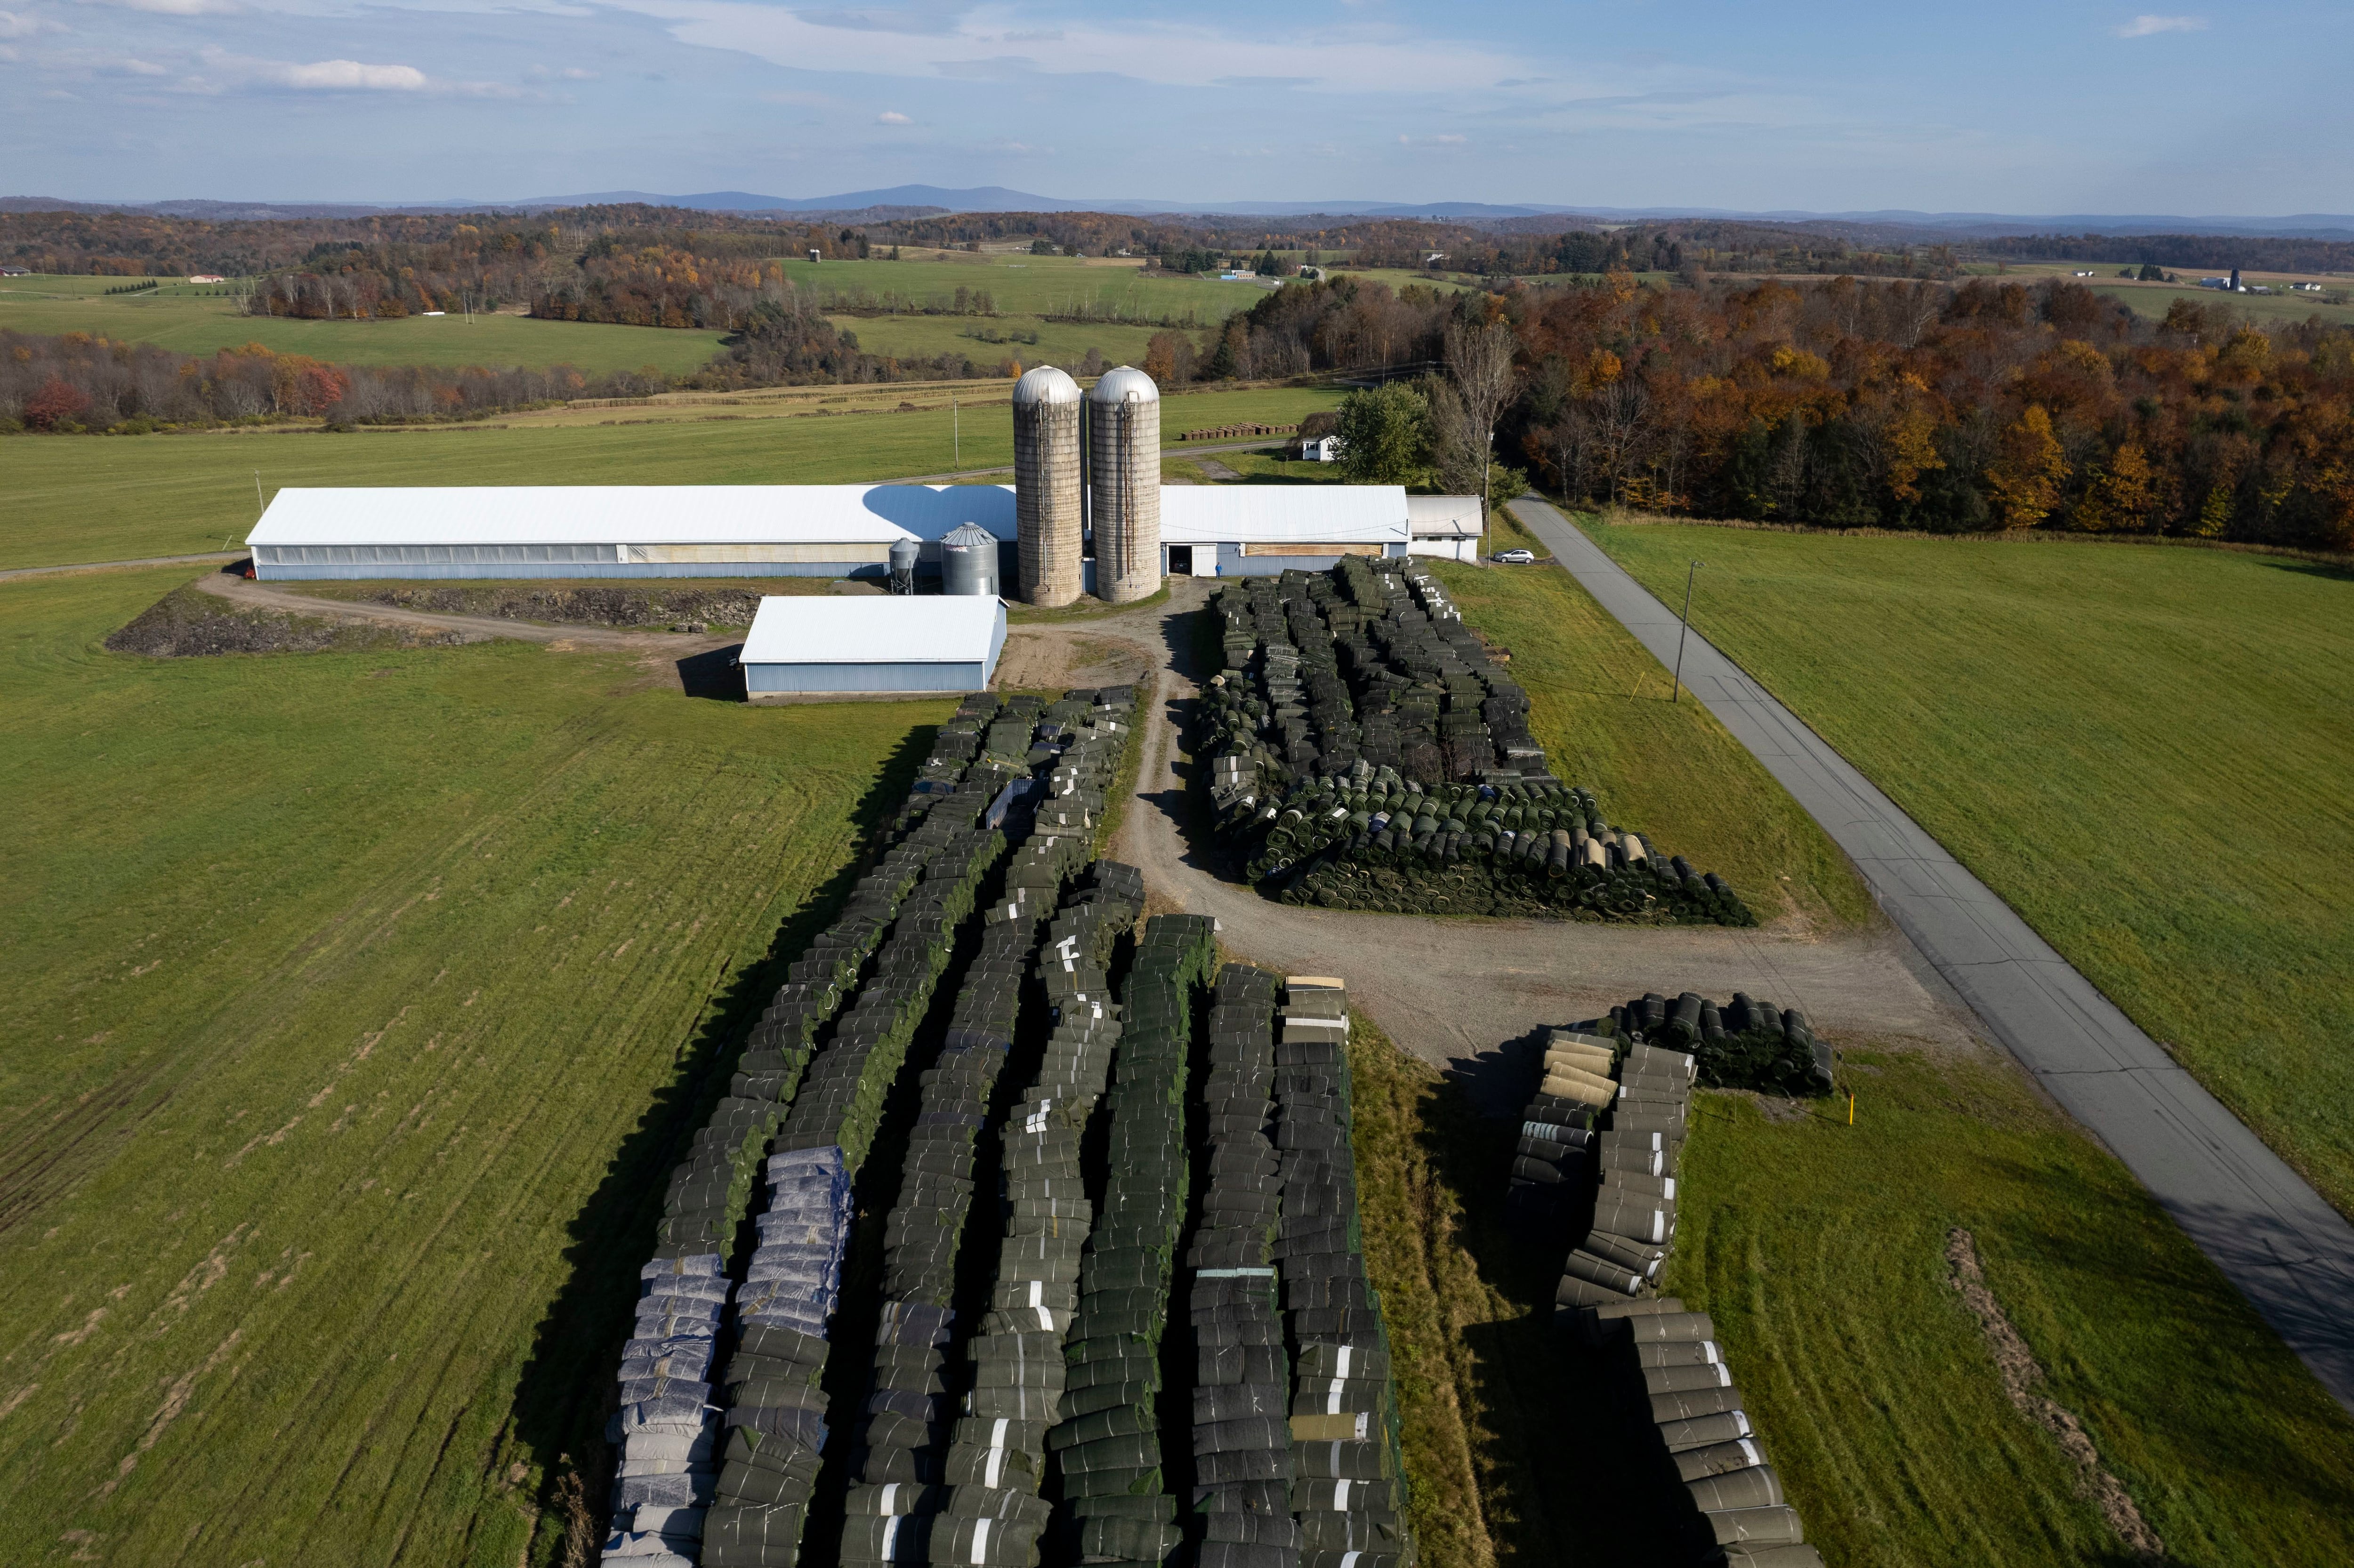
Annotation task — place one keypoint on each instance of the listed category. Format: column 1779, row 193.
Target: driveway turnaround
column 2273, row 1238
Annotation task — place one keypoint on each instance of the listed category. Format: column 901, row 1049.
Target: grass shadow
column 567, row 1390
column 713, row 674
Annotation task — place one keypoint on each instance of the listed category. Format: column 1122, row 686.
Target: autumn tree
column 2029, row 467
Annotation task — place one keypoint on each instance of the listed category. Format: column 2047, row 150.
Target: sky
column 2008, row 106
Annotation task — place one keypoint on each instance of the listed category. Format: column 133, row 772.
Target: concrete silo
column 1124, row 476
column 1049, row 485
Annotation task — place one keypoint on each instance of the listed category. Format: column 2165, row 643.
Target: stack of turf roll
column 1242, row 1466
column 1740, row 1517
column 1348, row 1488
column 667, row 1429
column 1743, row 1044
column 1373, row 837
column 1107, row 1444
column 1553, row 1163
column 996, row 1461
column 1625, row 1244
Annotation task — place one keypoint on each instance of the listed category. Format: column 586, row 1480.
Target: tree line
column 80, row 383
column 1910, row 405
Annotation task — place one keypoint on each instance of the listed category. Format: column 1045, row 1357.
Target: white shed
column 1448, row 526
column 871, row 644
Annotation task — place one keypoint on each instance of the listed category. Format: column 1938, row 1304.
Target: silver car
column 1515, row 558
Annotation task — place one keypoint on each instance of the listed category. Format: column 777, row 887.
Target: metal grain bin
column 969, row 561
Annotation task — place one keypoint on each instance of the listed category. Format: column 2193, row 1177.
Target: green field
column 1658, row 767
column 355, row 1005
column 191, row 320
column 1023, row 285
column 89, row 498
column 2143, row 749
column 1059, row 342
column 1818, row 1250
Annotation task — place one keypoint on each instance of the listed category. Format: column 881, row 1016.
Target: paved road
column 2289, row 1252
column 124, row 566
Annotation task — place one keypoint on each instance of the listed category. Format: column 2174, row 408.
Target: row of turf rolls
column 677, row 1452
column 1242, row 1463
column 1348, row 1491
column 1743, row 1043
column 1107, row 1446
column 673, row 1444
column 1738, row 1517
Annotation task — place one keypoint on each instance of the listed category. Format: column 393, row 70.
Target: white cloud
column 13, row 26
column 892, row 117
column 223, row 72
column 173, row 7
column 2149, row 27
column 1190, row 54
column 566, row 73
column 341, row 75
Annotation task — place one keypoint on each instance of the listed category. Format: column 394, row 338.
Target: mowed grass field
column 1026, row 285
column 191, row 320
column 1059, row 342
column 93, row 498
column 2144, row 750
column 1818, row 1249
column 355, row 1005
column 1602, row 714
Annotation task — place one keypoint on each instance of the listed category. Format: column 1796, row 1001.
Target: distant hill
column 914, row 201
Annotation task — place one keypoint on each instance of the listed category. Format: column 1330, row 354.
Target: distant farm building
column 16, row 271
column 805, row 645
column 206, row 278
column 1320, row 448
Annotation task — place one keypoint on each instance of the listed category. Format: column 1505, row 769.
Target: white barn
column 806, row 644
column 779, row 530
column 616, row 531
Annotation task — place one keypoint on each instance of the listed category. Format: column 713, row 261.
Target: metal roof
column 633, row 514
column 1443, row 516
column 798, row 513
column 1278, row 513
column 1045, row 384
column 1124, row 384
column 871, row 628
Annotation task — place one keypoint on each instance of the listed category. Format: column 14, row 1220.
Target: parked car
column 1515, row 558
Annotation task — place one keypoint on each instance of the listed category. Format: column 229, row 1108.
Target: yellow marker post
column 1851, row 1109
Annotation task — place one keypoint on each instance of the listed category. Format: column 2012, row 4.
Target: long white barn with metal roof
column 741, row 530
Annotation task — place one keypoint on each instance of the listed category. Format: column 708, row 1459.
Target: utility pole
column 259, row 506
column 956, row 431
column 1686, row 631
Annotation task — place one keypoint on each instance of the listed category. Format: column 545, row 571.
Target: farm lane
column 2270, row 1233
column 207, row 558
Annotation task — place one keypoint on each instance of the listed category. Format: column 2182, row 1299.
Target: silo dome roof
column 967, row 535
column 1045, row 384
column 1125, row 384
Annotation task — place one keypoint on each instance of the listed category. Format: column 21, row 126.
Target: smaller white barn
column 871, row 644
column 1261, row 530
column 1448, row 526
column 1320, row 448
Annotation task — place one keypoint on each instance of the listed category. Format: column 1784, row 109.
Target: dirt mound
column 189, row 624
column 660, row 604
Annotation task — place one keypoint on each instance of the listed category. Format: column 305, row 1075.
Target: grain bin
column 1124, row 482
column 1049, row 485
column 905, row 552
column 969, row 561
